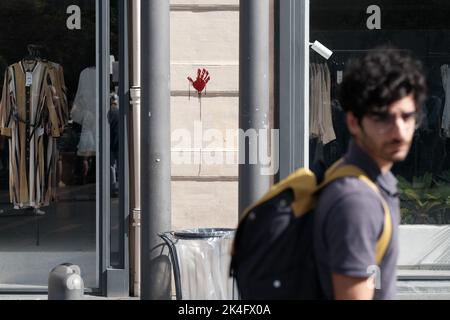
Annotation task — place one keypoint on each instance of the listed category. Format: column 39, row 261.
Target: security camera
column 321, row 49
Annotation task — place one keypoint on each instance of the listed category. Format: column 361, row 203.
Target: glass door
column 349, row 29
column 49, row 144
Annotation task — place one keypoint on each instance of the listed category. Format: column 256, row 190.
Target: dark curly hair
column 384, row 75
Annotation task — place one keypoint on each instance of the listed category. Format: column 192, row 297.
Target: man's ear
column 353, row 124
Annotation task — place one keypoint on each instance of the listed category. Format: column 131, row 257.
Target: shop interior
column 421, row 28
column 54, row 220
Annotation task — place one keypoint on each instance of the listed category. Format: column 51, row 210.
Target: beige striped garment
column 33, row 113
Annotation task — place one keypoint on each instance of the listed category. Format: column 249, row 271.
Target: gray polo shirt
column 348, row 221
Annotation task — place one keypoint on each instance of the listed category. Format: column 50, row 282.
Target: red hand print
column 202, row 80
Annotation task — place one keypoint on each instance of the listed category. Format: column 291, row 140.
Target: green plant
column 424, row 200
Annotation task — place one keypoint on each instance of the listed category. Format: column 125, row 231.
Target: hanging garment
column 59, row 88
column 327, row 130
column 83, row 112
column 445, row 73
column 313, row 102
column 31, row 116
column 320, row 120
column 343, row 136
column 320, row 100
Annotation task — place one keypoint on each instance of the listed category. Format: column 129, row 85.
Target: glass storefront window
column 350, row 28
column 48, row 146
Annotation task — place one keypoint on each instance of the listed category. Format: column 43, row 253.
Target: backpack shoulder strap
column 336, row 172
column 386, row 235
column 303, row 183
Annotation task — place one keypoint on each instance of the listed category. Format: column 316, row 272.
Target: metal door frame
column 113, row 282
column 110, row 281
column 292, row 41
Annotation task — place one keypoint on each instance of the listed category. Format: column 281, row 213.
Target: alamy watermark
column 374, row 281
column 217, row 147
column 74, row 20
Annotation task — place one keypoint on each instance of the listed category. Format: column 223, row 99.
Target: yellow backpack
column 272, row 255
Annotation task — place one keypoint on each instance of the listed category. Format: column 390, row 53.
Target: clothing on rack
column 432, row 115
column 32, row 115
column 59, row 93
column 321, row 122
column 445, row 73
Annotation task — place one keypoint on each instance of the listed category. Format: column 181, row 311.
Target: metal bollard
column 65, row 283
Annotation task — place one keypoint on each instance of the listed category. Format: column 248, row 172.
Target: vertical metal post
column 103, row 158
column 254, row 97
column 293, row 85
column 155, row 149
column 135, row 147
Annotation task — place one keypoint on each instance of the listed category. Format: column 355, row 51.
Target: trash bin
column 201, row 263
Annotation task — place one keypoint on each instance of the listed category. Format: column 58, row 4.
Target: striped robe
column 33, row 114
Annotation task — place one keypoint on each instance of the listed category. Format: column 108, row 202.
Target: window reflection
column 47, row 146
column 349, row 29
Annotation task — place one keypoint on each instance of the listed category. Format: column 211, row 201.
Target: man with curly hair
column 382, row 94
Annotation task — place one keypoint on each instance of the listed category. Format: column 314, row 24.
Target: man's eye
column 409, row 116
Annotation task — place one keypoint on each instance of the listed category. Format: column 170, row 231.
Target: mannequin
column 83, row 112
